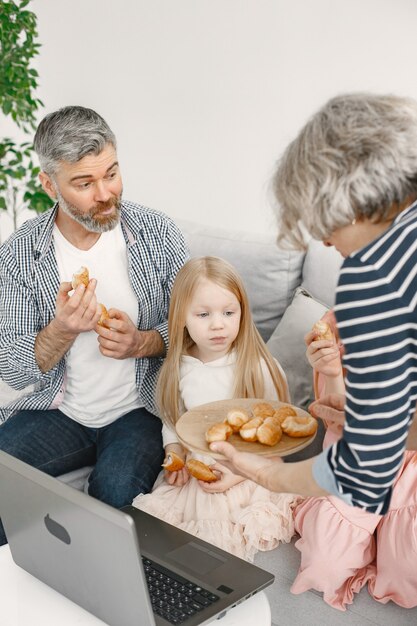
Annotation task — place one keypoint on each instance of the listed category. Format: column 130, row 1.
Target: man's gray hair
column 355, row 157
column 70, row 134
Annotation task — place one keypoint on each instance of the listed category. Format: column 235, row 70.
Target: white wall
column 204, row 94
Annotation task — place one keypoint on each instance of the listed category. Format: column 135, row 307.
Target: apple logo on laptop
column 56, row 529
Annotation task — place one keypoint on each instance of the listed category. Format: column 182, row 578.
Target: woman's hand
column 227, row 479
column 323, row 355
column 257, row 468
column 331, row 409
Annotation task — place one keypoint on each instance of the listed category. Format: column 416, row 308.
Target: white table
column 25, row 601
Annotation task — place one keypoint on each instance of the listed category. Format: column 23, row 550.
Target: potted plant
column 19, row 186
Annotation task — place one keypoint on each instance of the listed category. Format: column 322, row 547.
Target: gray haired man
column 92, row 386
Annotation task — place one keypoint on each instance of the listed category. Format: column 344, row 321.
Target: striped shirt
column 376, row 301
column 29, row 283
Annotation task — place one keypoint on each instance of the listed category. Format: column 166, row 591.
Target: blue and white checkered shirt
column 29, row 282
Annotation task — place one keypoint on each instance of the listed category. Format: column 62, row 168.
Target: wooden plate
column 192, row 426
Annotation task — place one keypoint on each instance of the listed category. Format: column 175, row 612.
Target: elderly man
column 93, row 385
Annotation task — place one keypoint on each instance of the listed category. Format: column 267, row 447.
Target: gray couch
column 288, row 292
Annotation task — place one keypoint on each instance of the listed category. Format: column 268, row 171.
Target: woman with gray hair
column 350, row 179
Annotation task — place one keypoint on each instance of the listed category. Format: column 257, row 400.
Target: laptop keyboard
column 173, row 597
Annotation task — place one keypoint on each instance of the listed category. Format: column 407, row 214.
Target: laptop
column 125, row 566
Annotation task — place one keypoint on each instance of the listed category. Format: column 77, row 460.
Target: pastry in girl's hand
column 81, row 277
column 173, row 462
column 323, row 331
column 200, row 470
column 299, row 426
column 263, row 409
column 283, row 412
column 236, row 418
column 104, row 316
column 269, row 432
column 249, row 430
column 220, row 431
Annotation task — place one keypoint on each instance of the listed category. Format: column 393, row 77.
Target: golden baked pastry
column 323, row 331
column 299, row 426
column 200, row 470
column 249, row 430
column 236, row 418
column 263, row 409
column 104, row 316
column 269, row 432
column 283, row 412
column 220, row 431
column 80, row 277
column 173, row 462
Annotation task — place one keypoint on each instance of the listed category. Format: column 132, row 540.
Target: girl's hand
column 323, row 355
column 227, row 479
column 177, row 479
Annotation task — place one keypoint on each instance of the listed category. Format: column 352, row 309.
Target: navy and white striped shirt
column 376, row 312
column 29, row 282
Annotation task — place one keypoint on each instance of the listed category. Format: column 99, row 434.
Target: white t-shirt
column 99, row 389
column 201, row 383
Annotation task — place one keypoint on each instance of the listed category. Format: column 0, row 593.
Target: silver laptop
column 126, row 567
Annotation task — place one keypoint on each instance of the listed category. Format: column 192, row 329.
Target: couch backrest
column 270, row 274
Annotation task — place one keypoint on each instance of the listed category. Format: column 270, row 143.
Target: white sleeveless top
column 99, row 389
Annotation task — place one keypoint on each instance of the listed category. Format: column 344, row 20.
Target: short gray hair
column 355, row 157
column 70, row 134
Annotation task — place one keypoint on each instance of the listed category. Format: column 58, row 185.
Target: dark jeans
column 126, row 455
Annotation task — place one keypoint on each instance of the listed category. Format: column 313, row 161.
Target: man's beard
column 93, row 221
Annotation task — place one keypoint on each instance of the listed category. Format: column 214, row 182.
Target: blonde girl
column 216, row 353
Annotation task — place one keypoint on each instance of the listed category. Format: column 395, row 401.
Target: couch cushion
column 288, row 347
column 321, row 272
column 269, row 273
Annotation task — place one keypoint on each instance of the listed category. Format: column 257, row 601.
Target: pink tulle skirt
column 242, row 520
column 344, row 548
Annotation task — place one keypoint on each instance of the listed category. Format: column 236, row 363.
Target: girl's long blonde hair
column 249, row 345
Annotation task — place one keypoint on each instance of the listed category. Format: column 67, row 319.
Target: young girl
column 216, row 353
column 343, row 547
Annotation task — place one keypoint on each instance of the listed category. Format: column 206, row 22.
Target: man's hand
column 120, row 339
column 73, row 315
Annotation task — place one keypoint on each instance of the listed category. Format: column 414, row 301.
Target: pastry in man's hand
column 220, row 431
column 104, row 316
column 269, row 432
column 323, row 331
column 173, row 462
column 80, row 277
column 236, row 418
column 200, row 470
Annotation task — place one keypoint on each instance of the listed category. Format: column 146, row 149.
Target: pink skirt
column 242, row 520
column 344, row 548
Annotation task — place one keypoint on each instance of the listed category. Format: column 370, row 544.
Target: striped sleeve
column 376, row 316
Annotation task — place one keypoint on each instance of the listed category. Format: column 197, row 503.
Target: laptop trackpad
column 196, row 558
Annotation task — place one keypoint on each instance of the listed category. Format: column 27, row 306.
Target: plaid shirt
column 29, row 282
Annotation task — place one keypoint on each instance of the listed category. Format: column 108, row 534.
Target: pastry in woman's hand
column 220, row 431
column 236, row 418
column 269, row 432
column 173, row 462
column 80, row 277
column 323, row 331
column 200, row 470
